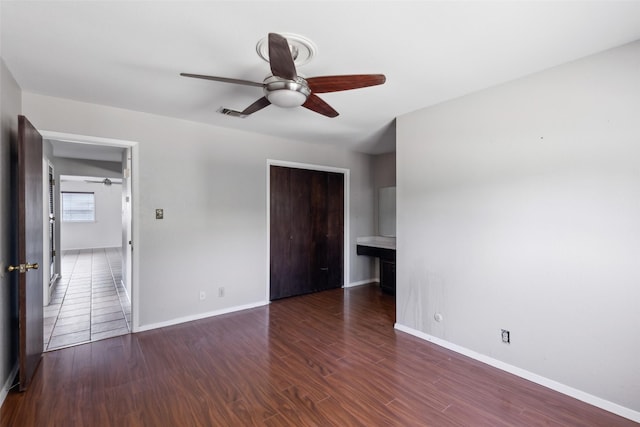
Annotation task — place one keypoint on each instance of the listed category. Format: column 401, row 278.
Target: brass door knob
column 22, row 268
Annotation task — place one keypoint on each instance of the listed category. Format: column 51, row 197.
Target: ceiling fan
column 105, row 181
column 285, row 88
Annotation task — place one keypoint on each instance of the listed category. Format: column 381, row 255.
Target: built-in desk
column 383, row 248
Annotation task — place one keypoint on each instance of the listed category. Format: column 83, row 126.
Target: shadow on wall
column 381, row 141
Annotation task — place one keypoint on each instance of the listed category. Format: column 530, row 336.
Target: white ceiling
column 129, row 54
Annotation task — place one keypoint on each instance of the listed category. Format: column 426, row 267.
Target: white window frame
column 89, row 207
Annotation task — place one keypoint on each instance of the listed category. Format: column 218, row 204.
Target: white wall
column 10, row 107
column 85, row 167
column 519, row 208
column 211, row 183
column 106, row 230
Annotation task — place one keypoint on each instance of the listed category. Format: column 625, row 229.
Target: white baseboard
column 362, row 282
column 125, row 291
column 198, row 316
column 538, row 379
column 7, row 384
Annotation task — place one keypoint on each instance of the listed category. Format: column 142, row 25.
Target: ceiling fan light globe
column 286, row 98
column 286, row 93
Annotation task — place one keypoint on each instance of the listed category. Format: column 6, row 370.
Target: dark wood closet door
column 318, row 215
column 306, row 231
column 335, row 230
column 280, row 232
column 296, row 279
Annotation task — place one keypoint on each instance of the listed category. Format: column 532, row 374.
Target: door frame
column 135, row 207
column 346, row 235
column 48, row 261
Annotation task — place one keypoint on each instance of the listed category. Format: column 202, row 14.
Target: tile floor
column 89, row 302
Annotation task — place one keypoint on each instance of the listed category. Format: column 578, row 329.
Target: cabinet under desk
column 383, row 248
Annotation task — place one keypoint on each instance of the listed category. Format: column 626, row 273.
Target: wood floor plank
column 326, row 359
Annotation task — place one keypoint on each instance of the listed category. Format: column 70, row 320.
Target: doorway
column 89, row 301
column 92, row 297
column 307, row 229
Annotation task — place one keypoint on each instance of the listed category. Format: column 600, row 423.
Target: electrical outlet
column 221, row 292
column 506, row 336
column 159, row 213
column 203, row 295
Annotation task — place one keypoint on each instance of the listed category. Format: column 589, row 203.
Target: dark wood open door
column 27, row 181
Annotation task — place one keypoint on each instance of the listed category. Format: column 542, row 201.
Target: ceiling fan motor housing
column 286, row 93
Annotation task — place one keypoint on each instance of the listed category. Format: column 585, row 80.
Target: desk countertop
column 377, row 242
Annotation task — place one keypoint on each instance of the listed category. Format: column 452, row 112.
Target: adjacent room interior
column 453, row 242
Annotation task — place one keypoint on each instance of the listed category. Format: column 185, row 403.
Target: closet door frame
column 346, row 234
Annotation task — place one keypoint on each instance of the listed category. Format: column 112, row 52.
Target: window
column 78, row 207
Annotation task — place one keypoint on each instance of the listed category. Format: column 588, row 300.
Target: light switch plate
column 159, row 213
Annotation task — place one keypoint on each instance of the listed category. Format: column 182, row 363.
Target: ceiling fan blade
column 222, row 79
column 314, row 103
column 258, row 105
column 280, row 58
column 326, row 84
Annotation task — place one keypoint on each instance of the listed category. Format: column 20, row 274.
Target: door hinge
column 53, row 253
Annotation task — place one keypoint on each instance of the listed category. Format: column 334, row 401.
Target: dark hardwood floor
column 325, row 359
